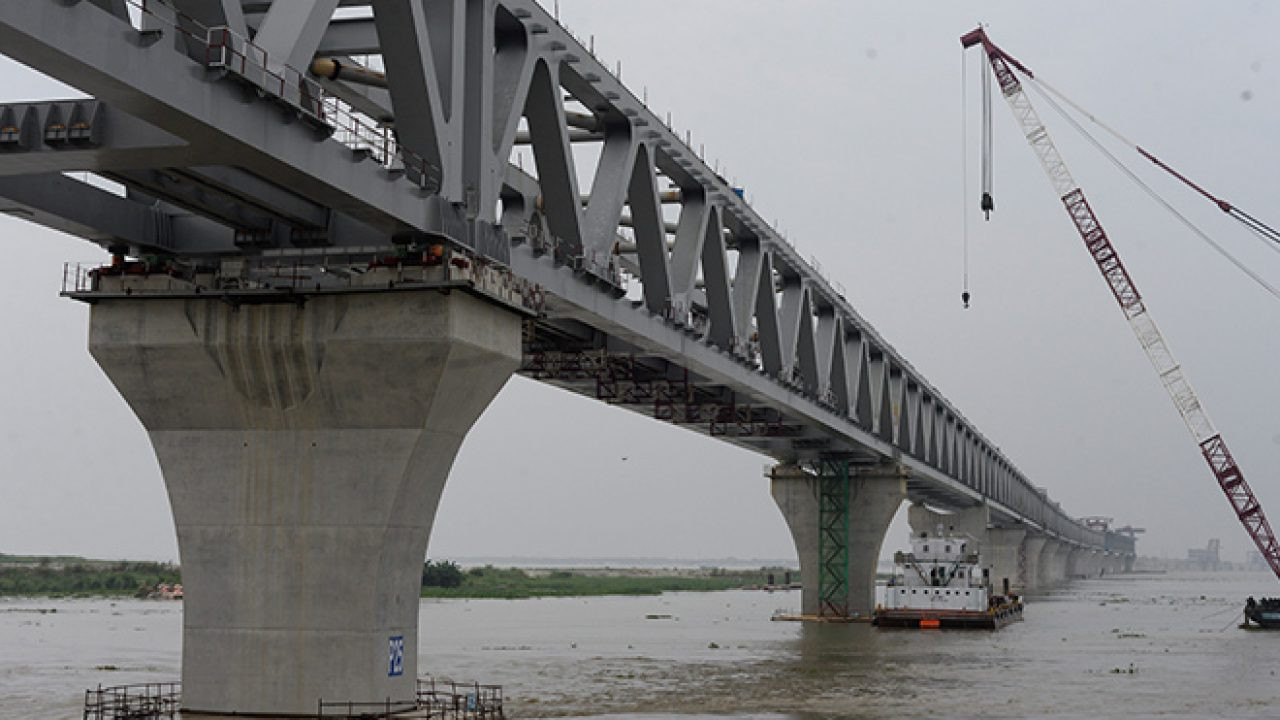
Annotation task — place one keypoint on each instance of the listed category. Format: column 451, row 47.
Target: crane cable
column 987, row 203
column 1036, row 85
column 964, row 162
column 1256, row 226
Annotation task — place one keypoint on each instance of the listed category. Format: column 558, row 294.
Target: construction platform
column 434, row 700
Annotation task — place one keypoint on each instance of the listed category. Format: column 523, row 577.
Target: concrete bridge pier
column 1116, row 563
column 1058, row 562
column 1002, row 552
column 1100, row 564
column 970, row 522
column 304, row 447
column 856, row 529
column 1049, row 572
column 1032, row 555
column 999, row 547
column 1078, row 562
column 1086, row 563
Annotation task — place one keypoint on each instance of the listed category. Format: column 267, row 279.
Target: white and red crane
column 1230, row 478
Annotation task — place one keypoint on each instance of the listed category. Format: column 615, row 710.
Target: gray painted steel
column 721, row 294
column 461, row 77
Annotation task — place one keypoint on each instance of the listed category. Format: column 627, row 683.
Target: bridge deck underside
column 580, row 359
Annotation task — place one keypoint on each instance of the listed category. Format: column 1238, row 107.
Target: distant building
column 1207, row 558
column 1253, row 560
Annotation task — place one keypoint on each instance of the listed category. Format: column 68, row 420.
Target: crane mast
column 1212, row 446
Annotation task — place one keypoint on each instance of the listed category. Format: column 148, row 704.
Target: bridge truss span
column 487, row 126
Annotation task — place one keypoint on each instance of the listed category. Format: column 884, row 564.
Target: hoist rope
column 1151, row 192
column 964, row 169
column 987, row 165
column 1258, row 227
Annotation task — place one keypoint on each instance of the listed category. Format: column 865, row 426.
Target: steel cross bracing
column 833, row 537
column 664, row 291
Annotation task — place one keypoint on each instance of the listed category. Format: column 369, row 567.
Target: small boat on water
column 1264, row 614
column 941, row 584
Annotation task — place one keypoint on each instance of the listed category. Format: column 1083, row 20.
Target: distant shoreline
column 523, row 583
column 70, row 576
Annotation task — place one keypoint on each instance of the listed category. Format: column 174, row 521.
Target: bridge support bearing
column 304, row 449
column 1033, row 553
column 1001, row 553
column 870, row 501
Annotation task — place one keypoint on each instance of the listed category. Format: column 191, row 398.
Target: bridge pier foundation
column 304, row 448
column 872, row 499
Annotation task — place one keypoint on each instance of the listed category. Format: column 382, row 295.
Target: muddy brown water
column 1126, row 646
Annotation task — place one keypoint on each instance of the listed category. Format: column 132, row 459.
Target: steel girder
column 718, row 293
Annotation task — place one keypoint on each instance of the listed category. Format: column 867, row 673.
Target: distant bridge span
column 278, row 237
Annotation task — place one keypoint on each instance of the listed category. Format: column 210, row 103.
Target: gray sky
column 842, row 120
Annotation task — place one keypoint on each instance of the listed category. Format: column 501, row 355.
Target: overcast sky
column 842, row 121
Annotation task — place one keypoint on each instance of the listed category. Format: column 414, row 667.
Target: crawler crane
column 1006, row 70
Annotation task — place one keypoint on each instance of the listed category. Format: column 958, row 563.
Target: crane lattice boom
column 1214, row 449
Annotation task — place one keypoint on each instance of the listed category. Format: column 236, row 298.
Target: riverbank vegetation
column 75, row 577
column 514, row 583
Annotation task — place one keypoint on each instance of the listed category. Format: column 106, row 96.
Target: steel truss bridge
column 213, row 150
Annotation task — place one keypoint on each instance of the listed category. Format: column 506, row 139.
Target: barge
column 1264, row 614
column 941, row 584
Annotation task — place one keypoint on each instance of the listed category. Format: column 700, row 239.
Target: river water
column 1134, row 646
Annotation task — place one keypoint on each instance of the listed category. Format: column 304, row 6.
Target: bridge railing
column 79, row 277
column 224, row 49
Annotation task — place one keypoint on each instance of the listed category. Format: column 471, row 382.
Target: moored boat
column 1264, row 613
column 941, row 584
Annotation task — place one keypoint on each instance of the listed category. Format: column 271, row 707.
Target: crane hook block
column 988, row 204
column 964, row 297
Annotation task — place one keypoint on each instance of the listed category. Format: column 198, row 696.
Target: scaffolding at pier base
column 133, row 702
column 833, row 538
column 434, row 700
column 443, row 700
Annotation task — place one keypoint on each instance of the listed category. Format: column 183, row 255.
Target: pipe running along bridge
column 323, row 270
